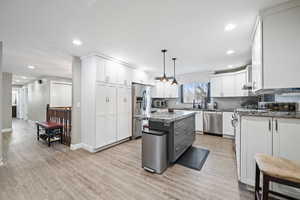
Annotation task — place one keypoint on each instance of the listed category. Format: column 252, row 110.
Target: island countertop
column 292, row 115
column 166, row 117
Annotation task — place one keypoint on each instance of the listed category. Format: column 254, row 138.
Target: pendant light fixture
column 174, row 82
column 164, row 78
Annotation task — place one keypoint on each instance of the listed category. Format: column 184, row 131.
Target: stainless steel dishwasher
column 213, row 122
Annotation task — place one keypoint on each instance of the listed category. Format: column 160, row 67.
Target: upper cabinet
column 165, row 90
column 276, row 47
column 116, row 73
column 257, row 57
column 229, row 84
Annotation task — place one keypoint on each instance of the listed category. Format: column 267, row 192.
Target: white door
column 228, row 83
column 286, row 139
column 216, row 86
column 256, row 137
column 105, row 115
column 124, row 113
column 228, row 129
column 199, row 121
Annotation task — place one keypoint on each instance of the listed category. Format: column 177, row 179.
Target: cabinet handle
column 269, row 125
column 276, row 125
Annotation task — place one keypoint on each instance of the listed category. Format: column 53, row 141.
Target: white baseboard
column 5, row 130
column 76, row 146
column 88, row 148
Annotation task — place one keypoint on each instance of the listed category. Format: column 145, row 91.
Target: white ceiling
column 40, row 33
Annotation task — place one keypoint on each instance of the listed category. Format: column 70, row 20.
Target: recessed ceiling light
column 77, row 42
column 17, row 81
column 230, row 66
column 31, row 67
column 229, row 52
column 24, row 77
column 230, row 27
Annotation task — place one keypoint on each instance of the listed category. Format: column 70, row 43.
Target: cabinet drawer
column 183, row 145
column 188, row 122
column 179, row 136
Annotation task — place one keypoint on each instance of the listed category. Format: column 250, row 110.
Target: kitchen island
column 179, row 127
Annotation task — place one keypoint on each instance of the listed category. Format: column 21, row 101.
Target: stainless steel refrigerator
column 141, row 105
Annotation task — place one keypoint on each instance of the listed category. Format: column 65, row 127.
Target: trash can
column 154, row 151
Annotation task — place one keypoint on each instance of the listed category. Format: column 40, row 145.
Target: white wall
column 1, row 154
column 6, row 102
column 76, row 101
column 39, row 97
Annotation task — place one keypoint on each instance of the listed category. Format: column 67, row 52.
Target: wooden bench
column 52, row 130
column 278, row 170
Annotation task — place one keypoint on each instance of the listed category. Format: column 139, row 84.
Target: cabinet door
column 124, row 75
column 257, row 58
column 159, row 90
column 111, row 72
column 286, row 138
column 228, row 86
column 105, row 115
column 124, row 113
column 199, row 121
column 174, row 91
column 216, row 86
column 281, row 47
column 256, row 137
column 240, row 81
column 227, row 124
column 100, row 65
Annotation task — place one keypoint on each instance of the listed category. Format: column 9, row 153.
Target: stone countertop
column 166, row 117
column 293, row 115
column 197, row 109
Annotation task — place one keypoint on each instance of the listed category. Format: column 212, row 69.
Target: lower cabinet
column 286, row 139
column 274, row 136
column 105, row 130
column 199, row 121
column 256, row 137
column 228, row 129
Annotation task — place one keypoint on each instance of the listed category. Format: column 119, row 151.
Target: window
column 194, row 91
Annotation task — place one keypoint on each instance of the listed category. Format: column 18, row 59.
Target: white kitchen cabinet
column 228, row 129
column 199, row 121
column 124, row 113
column 240, row 81
column 275, row 47
column 111, row 72
column 165, row 90
column 286, row 140
column 216, row 85
column 106, row 103
column 281, row 47
column 229, row 85
column 257, row 57
column 256, row 137
column 106, row 130
column 274, row 136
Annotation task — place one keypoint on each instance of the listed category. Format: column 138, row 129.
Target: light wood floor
column 34, row 171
